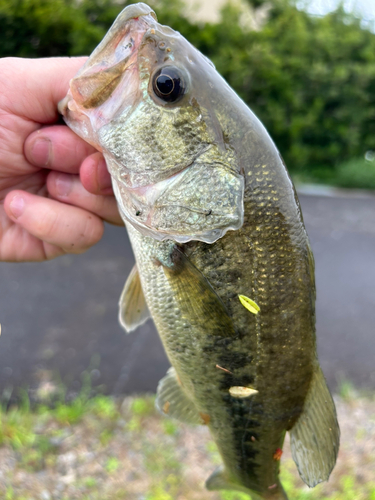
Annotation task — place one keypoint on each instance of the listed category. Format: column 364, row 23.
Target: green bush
column 311, row 80
column 357, row 173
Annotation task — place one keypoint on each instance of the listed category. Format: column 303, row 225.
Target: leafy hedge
column 311, row 80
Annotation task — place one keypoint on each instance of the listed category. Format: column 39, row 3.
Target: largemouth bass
column 213, row 218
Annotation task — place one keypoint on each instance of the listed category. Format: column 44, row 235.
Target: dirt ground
column 110, row 450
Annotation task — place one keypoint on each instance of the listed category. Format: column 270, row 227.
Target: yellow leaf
column 249, row 304
column 242, row 392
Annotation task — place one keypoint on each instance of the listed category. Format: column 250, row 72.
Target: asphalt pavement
column 59, row 318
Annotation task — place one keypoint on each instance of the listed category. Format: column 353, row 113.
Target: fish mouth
column 107, row 82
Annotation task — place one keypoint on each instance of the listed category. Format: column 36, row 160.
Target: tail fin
column 315, row 437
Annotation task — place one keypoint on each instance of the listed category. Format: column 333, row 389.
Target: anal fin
column 171, row 400
column 315, row 437
column 219, row 481
column 133, row 310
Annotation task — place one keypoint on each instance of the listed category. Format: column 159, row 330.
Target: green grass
column 233, row 495
column 143, row 407
column 346, row 390
column 170, row 427
column 90, row 482
column 112, row 465
column 34, row 433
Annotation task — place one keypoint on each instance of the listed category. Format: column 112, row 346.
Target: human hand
column 45, row 210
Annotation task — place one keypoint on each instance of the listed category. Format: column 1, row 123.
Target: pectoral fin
column 171, row 400
column 198, row 301
column 316, row 435
column 133, row 310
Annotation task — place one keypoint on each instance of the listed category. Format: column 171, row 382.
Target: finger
column 94, row 175
column 18, row 245
column 57, row 148
column 37, row 85
column 68, row 189
column 70, row 228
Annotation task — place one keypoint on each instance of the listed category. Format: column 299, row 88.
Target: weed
column 231, row 495
column 169, row 427
column 32, row 460
column 161, row 459
column 134, row 424
column 140, row 408
column 105, row 436
column 71, row 413
column 165, row 489
column 143, row 407
column 346, row 390
column 158, row 493
column 16, row 429
column 9, row 494
column 90, row 482
column 112, row 465
column 104, row 407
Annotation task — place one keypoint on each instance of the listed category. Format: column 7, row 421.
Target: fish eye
column 168, row 84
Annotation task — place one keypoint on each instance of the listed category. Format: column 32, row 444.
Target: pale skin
column 55, row 191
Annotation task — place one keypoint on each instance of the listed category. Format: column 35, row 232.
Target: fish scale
column 212, row 216
column 198, row 361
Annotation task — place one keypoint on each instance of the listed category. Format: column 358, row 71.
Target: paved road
column 59, row 319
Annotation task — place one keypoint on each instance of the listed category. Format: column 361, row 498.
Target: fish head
column 146, row 99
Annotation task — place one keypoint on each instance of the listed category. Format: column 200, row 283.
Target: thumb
column 32, row 87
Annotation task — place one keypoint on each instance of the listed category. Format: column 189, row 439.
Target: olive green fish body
column 268, row 259
column 212, row 216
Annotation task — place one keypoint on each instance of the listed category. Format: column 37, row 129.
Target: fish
column 223, row 261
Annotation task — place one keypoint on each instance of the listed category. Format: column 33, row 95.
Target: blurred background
column 308, row 71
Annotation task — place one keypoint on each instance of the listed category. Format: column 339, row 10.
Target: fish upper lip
column 131, row 12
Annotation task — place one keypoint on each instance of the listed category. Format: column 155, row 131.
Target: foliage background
column 311, row 80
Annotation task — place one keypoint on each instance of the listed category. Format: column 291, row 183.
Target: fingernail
column 41, row 151
column 104, row 178
column 64, row 184
column 17, row 206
